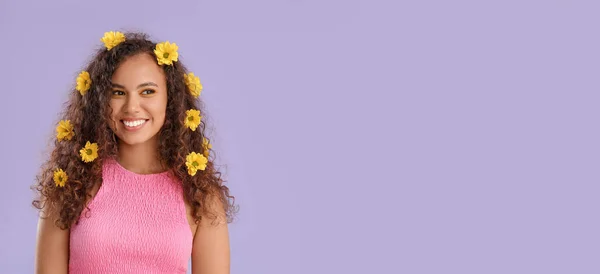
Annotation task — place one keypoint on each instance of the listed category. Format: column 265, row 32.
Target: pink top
column 136, row 224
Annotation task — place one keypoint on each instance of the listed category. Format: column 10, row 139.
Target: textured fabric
column 136, row 224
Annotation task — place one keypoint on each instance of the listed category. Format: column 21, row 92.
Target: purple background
column 438, row 137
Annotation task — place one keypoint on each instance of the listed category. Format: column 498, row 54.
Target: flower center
column 195, row 164
column 60, row 178
column 88, row 151
column 166, row 55
column 191, row 118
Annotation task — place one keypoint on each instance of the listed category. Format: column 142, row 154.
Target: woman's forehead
column 137, row 70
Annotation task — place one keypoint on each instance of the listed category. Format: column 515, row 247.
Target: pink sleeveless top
column 136, row 224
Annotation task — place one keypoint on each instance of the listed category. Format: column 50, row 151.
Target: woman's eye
column 148, row 91
column 118, row 92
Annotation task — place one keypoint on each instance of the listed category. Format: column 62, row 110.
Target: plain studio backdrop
column 358, row 137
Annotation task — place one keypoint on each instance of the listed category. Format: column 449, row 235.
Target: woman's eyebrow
column 117, row 85
column 147, row 84
column 114, row 85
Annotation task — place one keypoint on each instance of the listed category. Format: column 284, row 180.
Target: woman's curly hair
column 90, row 117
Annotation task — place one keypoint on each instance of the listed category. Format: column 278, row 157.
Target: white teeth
column 133, row 123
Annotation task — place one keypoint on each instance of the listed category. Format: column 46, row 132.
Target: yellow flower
column 192, row 121
column 60, row 177
column 89, row 152
column 83, row 82
column 64, row 130
column 194, row 162
column 166, row 53
column 206, row 147
column 193, row 84
column 112, row 38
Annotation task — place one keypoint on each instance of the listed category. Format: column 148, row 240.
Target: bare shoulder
column 52, row 246
column 211, row 251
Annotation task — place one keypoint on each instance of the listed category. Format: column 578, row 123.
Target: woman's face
column 138, row 99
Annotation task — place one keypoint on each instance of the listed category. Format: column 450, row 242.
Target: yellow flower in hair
column 112, row 38
column 84, row 82
column 60, row 177
column 166, row 53
column 64, row 130
column 192, row 119
column 207, row 146
column 89, row 152
column 193, row 84
column 194, row 162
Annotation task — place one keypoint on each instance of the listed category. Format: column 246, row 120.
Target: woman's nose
column 132, row 105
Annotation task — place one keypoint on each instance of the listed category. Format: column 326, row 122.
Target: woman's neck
column 140, row 158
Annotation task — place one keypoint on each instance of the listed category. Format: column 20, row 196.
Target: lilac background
column 358, row 137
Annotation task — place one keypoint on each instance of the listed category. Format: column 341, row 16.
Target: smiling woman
column 138, row 100
column 130, row 185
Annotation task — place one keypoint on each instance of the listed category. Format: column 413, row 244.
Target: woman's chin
column 137, row 140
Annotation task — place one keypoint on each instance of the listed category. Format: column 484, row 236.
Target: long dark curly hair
column 90, row 117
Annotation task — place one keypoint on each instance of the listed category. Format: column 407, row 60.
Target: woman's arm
column 210, row 251
column 52, row 248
